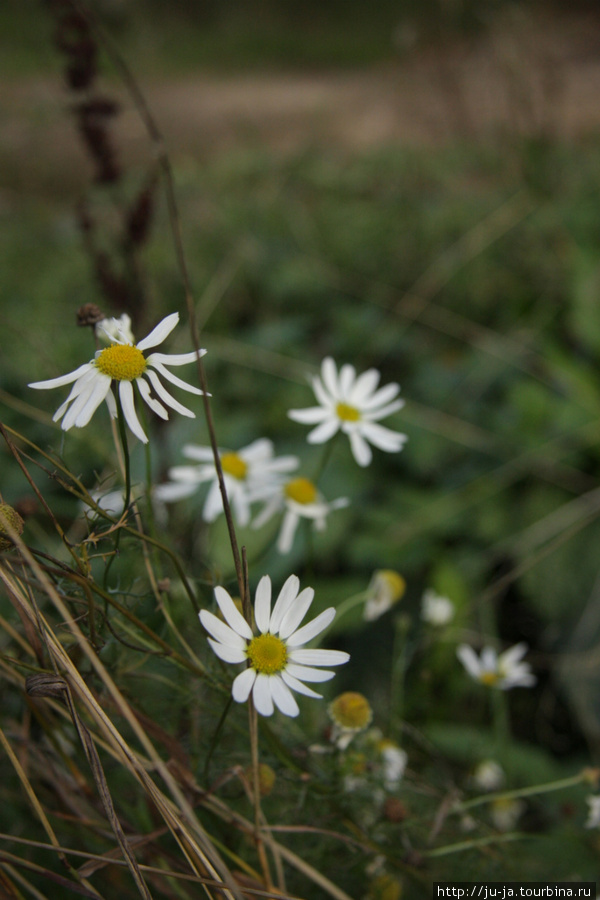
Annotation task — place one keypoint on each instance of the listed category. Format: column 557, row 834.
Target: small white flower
column 504, row 671
column 593, row 820
column 394, row 763
column 300, row 499
column 250, row 475
column 385, row 589
column 111, row 502
column 488, row 775
column 352, row 404
column 277, row 661
column 115, row 331
column 505, row 812
column 124, row 363
column 436, row 610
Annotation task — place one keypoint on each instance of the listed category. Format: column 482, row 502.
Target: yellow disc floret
column 301, row 490
column 347, row 413
column 9, row 520
column 234, row 465
column 267, row 654
column 351, row 710
column 490, row 679
column 122, row 362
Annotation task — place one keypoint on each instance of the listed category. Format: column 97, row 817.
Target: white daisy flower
column 125, row 363
column 488, row 775
column 505, row 812
column 250, row 475
column 505, row 671
column 277, row 661
column 385, row 589
column 352, row 404
column 436, row 610
column 301, row 500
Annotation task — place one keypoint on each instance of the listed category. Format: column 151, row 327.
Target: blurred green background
column 414, row 186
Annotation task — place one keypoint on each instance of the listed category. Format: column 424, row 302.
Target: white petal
column 242, row 685
column 172, row 491
column 286, row 598
column 307, row 673
column 261, row 449
column 330, row 377
column 100, row 389
column 62, row 379
column 126, row 395
column 314, row 627
column 213, row 505
column 469, row 659
column 364, row 385
column 176, row 359
column 239, row 502
column 283, row 697
column 297, row 685
column 201, row 454
column 319, row 657
column 226, row 653
column 384, row 411
column 489, row 660
column 347, row 377
column 262, row 604
column 166, row 397
column 222, row 632
column 192, row 474
column 323, row 397
column 381, row 397
column 231, row 613
column 155, row 406
column 268, row 511
column 158, row 334
column 511, row 656
column 383, row 438
column 261, row 694
column 173, row 378
column 296, row 612
column 309, row 416
column 360, row 449
column 323, row 432
column 288, row 530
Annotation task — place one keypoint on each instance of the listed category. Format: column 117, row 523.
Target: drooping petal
column 296, row 685
column 239, row 502
column 127, row 402
column 227, row 653
column 296, row 612
column 231, row 614
column 318, row 657
column 383, row 438
column 100, row 388
column 62, row 379
column 268, row 511
column 173, row 378
column 360, row 449
column 282, row 697
column 213, row 505
column 155, row 406
column 312, row 628
column 309, row 416
column 262, row 604
column 373, row 415
column 159, row 333
column 176, row 359
column 307, row 673
column 166, row 397
column 222, row 632
column 174, row 490
column 259, row 450
column 511, row 656
column 286, row 598
column 323, row 397
column 261, row 694
column 194, row 474
column 242, row 685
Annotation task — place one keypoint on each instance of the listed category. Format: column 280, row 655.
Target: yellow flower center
column 347, row 413
column 267, row 653
column 490, row 679
column 234, row 465
column 351, row 710
column 301, row 490
column 121, row 362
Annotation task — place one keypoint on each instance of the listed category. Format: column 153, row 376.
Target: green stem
column 400, row 661
column 325, row 457
column 127, row 465
column 545, row 788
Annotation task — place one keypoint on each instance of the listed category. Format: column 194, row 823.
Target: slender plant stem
column 127, row 467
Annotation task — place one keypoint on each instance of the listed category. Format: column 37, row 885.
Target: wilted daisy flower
column 277, row 661
column 504, row 671
column 350, row 713
column 9, row 520
column 124, row 363
column 435, row 609
column 115, row 331
column 300, row 499
column 385, row 589
column 352, row 404
column 250, row 475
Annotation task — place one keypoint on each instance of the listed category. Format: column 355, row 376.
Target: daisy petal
column 158, row 334
column 226, row 653
column 330, row 376
column 381, row 397
column 383, row 438
column 96, row 396
column 62, row 379
column 282, row 697
column 287, row 595
column 155, row 406
column 231, row 614
column 360, row 449
column 288, row 530
column 469, row 659
column 220, row 631
column 309, row 416
column 323, row 432
column 382, row 413
column 173, row 378
column 176, row 359
column 166, row 397
column 296, row 685
column 319, row 657
column 364, row 385
column 262, row 604
column 172, row 491
column 126, row 396
column 306, row 673
column 314, row 627
column 261, row 694
column 296, row 613
column 347, row 378
column 242, row 685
